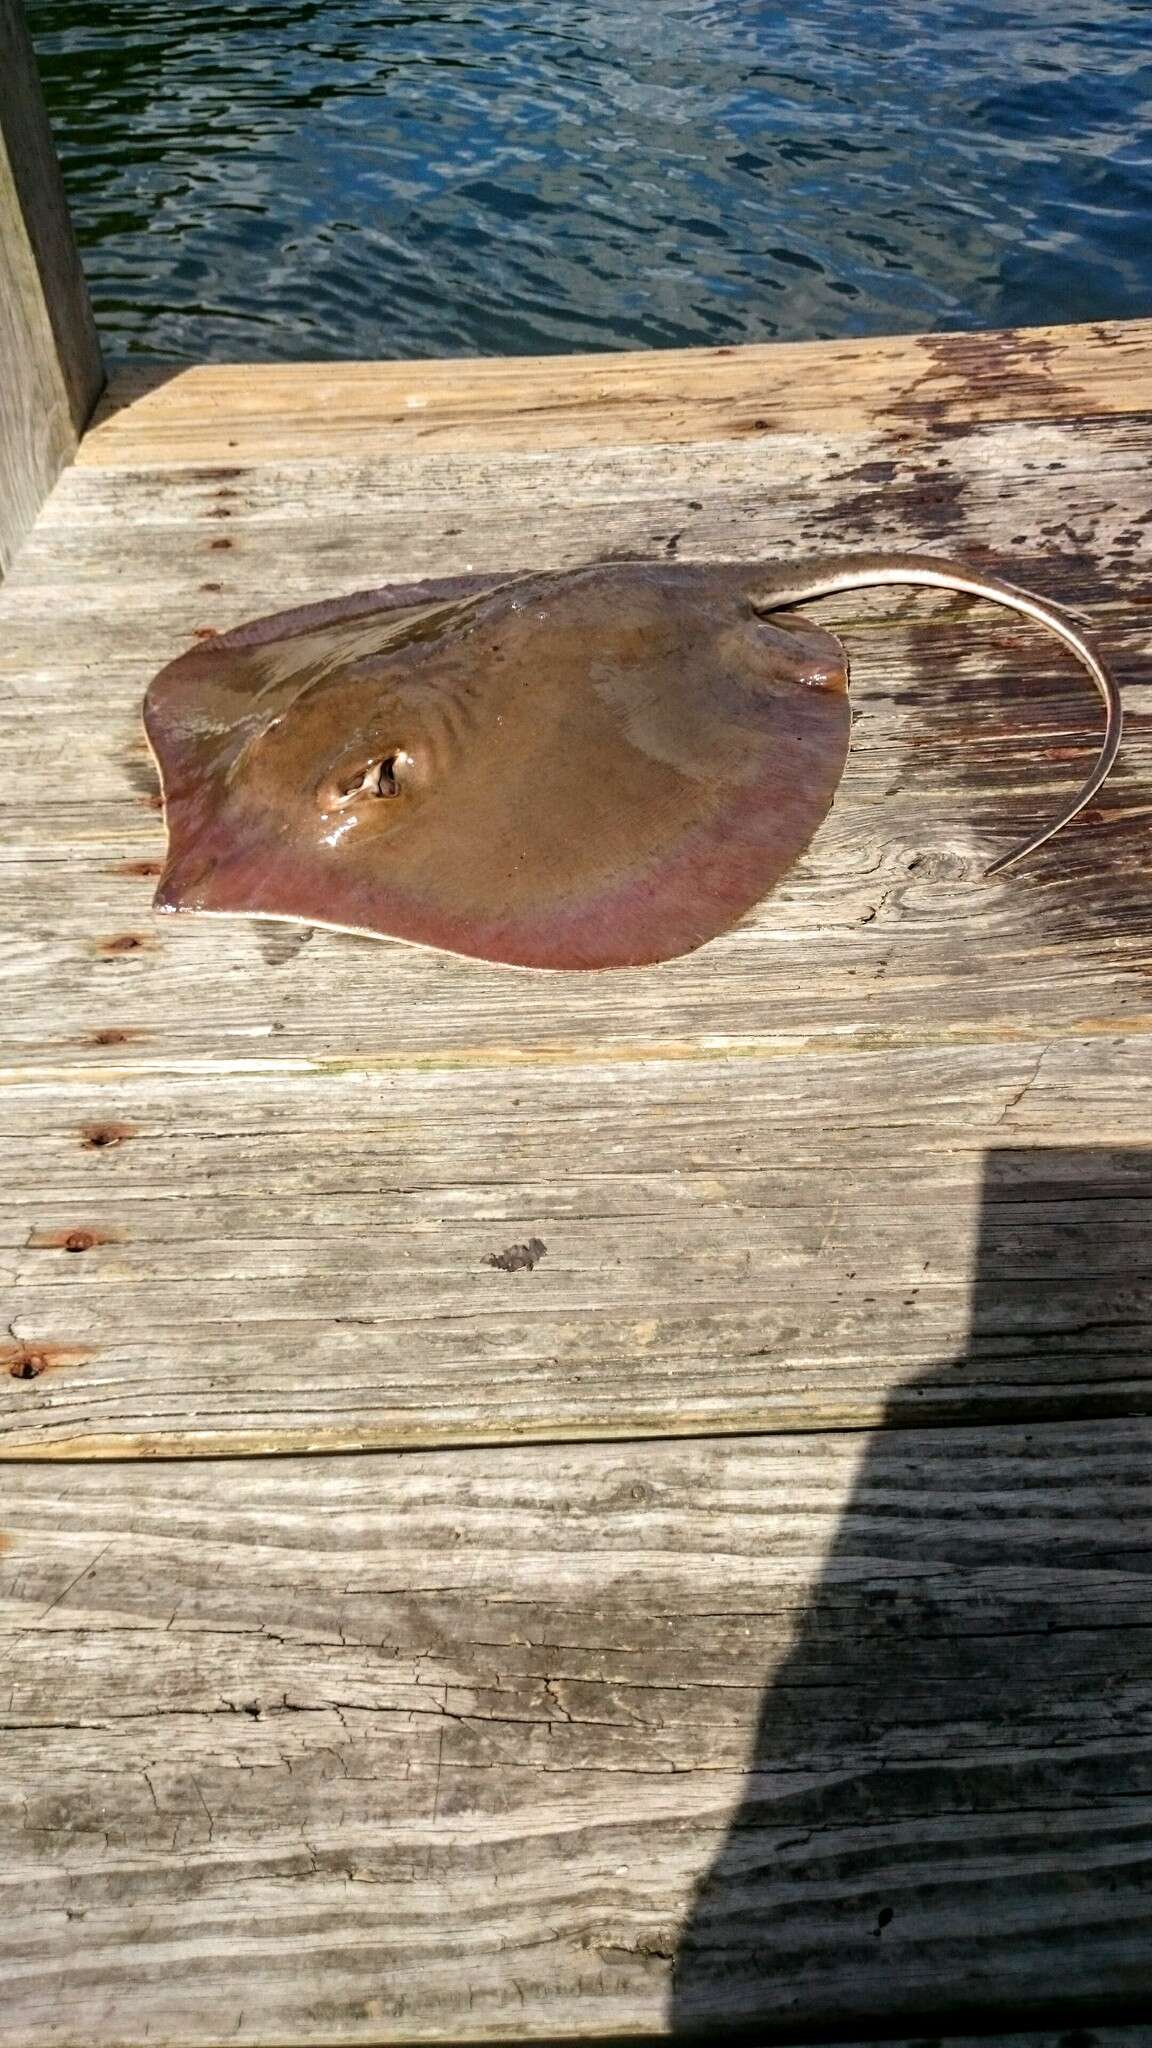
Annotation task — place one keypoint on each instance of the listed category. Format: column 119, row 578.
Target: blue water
column 286, row 178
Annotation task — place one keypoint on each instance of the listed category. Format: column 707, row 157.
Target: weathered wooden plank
column 243, row 413
column 964, row 727
column 811, row 1732
column 245, row 1258
column 1061, row 504
column 52, row 373
column 890, row 936
column 758, row 1172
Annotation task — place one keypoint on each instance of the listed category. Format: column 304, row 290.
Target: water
column 288, row 178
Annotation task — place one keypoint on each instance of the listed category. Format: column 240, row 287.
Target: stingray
column 601, row 767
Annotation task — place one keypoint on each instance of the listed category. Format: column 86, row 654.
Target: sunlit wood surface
column 50, row 367
column 527, row 1721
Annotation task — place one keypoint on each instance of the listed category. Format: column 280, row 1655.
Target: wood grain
column 52, row 371
column 577, row 1742
column 759, row 1172
column 812, row 1732
column 250, row 1260
column 251, row 413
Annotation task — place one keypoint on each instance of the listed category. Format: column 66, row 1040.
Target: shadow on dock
column 948, row 1808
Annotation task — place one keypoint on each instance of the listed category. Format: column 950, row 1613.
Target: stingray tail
column 935, row 573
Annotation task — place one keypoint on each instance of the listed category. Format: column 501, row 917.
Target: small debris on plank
column 519, row 1258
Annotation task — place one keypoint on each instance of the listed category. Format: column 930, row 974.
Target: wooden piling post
column 50, row 368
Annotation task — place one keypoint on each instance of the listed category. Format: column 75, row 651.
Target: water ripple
column 285, row 178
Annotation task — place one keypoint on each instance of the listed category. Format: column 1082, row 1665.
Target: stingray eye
column 391, row 776
column 366, row 779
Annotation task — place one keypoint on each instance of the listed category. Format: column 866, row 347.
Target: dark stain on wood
column 123, row 943
column 518, row 1258
column 220, row 544
column 143, row 777
column 872, row 473
column 104, row 1137
column 70, row 1239
column 30, row 1361
column 929, row 500
column 280, row 943
column 997, row 366
column 113, row 1034
column 144, row 869
column 995, row 737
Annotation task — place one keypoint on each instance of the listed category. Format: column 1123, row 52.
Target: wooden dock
column 741, row 1615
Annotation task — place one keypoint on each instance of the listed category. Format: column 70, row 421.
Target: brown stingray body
column 595, row 769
